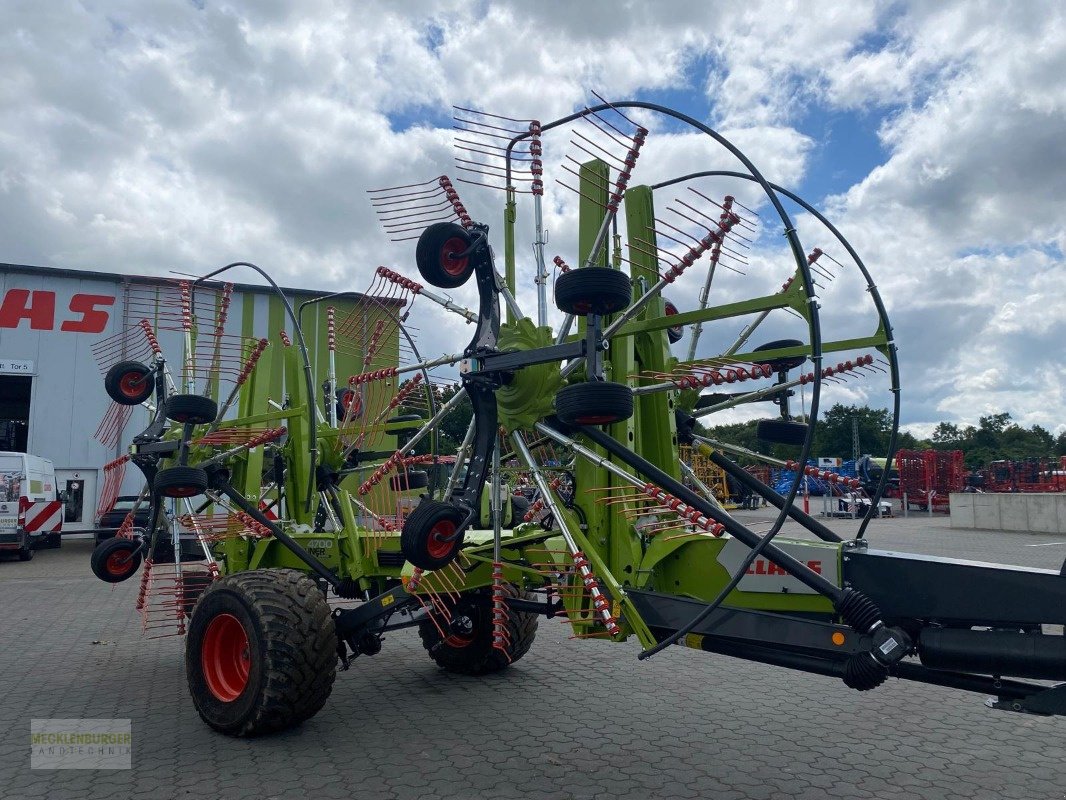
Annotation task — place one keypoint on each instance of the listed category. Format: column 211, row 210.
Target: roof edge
column 88, row 274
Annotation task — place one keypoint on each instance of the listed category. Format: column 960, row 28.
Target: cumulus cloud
column 148, row 136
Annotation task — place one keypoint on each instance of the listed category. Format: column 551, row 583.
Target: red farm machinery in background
column 1027, row 475
column 927, row 477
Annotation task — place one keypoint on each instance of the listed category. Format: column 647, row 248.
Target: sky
column 147, row 137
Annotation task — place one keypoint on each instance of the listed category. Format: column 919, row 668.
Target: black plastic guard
column 947, row 590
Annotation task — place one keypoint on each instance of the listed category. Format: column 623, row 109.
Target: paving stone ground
column 573, row 720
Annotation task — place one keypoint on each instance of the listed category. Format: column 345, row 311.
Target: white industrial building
column 52, row 395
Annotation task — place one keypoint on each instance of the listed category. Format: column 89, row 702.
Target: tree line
column 995, row 437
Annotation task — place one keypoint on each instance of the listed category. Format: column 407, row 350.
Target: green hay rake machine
column 290, row 535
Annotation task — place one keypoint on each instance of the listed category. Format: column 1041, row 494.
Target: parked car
column 108, row 523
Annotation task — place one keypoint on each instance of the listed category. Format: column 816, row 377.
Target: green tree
column 452, row 428
column 908, row 441
column 833, row 434
column 740, row 433
column 946, row 436
column 994, row 423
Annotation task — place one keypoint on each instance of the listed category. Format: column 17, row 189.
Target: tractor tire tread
column 300, row 646
column 475, row 661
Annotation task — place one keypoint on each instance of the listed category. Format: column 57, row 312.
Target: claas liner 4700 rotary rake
column 289, row 535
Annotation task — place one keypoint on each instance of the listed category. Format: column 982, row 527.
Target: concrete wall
column 1035, row 513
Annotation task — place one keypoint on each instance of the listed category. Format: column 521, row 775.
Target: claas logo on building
column 82, row 315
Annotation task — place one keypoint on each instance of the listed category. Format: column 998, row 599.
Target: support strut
column 790, row 564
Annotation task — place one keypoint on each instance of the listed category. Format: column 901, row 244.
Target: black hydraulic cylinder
column 774, row 499
column 1020, row 655
column 788, row 563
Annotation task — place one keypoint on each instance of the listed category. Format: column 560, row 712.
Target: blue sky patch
column 419, row 115
column 846, row 150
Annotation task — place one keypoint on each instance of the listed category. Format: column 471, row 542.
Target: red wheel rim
column 131, row 384
column 459, row 640
column 118, row 563
column 351, row 404
column 453, row 266
column 598, row 419
column 225, row 658
column 438, row 544
column 181, row 491
column 671, row 310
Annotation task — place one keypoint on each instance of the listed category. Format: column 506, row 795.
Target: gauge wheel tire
column 115, row 560
column 781, row 431
column 594, row 403
column 191, row 409
column 129, row 383
column 425, row 540
column 180, row 482
column 467, row 648
column 345, row 399
column 781, row 364
column 677, row 332
column 261, row 652
column 593, row 290
column 408, row 481
column 436, row 251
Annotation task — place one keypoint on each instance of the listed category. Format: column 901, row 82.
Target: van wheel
column 26, row 553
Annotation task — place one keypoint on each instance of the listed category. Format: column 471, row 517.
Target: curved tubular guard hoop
column 312, row 408
column 875, row 294
column 399, row 324
column 814, row 325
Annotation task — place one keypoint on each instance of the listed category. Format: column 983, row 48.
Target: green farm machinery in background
column 291, row 531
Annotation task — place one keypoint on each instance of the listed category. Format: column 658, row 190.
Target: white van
column 30, row 514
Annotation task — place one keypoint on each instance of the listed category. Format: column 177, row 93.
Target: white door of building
column 77, row 489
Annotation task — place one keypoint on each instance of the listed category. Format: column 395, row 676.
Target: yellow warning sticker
column 695, row 641
column 387, row 600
